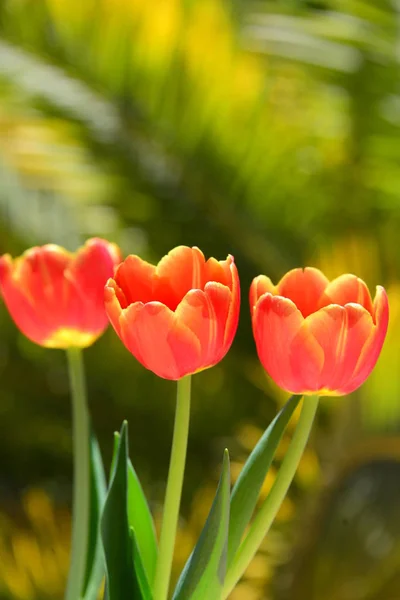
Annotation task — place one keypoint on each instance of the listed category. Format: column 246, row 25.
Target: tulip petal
column 347, row 289
column 373, row 346
column 328, row 327
column 304, row 288
column 306, row 359
column 276, row 323
column 159, row 340
column 6, row 269
column 219, row 271
column 205, row 314
column 136, row 278
column 43, row 272
column 20, row 305
column 38, row 280
column 259, row 286
column 86, row 275
column 234, row 310
column 220, row 301
column 181, row 270
column 358, row 327
column 114, row 302
column 197, row 314
column 341, row 332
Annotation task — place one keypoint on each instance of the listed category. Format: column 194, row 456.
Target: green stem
column 174, row 490
column 272, row 503
column 81, row 491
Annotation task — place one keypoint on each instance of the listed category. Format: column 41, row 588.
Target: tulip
column 316, row 336
column 178, row 317
column 55, row 297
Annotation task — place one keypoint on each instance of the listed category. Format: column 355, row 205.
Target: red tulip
column 56, row 297
column 316, row 336
column 178, row 317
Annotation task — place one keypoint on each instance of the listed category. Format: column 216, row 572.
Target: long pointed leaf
column 247, row 487
column 141, row 521
column 122, row 581
column 95, row 560
column 204, row 573
column 116, row 441
column 140, row 571
column 139, row 518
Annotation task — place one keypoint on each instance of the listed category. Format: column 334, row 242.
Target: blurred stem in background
column 174, row 489
column 81, row 491
column 268, row 511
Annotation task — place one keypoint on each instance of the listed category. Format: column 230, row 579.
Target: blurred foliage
column 34, row 548
column 266, row 129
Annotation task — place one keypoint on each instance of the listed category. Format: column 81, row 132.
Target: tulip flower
column 316, row 336
column 178, row 317
column 55, row 297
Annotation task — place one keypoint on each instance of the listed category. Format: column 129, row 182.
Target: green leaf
column 94, row 558
column 247, row 488
column 204, row 573
column 139, row 569
column 141, row 521
column 117, row 438
column 122, row 579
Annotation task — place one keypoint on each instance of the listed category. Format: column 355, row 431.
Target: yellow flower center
column 70, row 338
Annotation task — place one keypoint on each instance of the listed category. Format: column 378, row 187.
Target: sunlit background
column 269, row 130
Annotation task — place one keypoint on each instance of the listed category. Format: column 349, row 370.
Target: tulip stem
column 174, row 490
column 81, row 491
column 268, row 511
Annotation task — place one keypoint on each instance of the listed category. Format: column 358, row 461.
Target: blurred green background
column 269, row 130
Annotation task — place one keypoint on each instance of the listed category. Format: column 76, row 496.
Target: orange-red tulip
column 178, row 317
column 316, row 336
column 56, row 298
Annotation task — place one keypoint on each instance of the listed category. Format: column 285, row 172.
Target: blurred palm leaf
column 230, row 132
column 198, row 99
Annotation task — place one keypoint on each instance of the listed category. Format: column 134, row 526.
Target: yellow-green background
column 268, row 130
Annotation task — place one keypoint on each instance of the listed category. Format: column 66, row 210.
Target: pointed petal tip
column 380, row 293
column 279, row 304
column 112, row 248
column 110, row 289
column 182, row 250
column 381, row 307
column 259, row 286
column 6, row 265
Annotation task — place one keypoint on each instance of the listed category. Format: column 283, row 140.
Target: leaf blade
column 248, row 485
column 122, row 581
column 139, row 569
column 141, row 521
column 204, row 573
column 94, row 556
